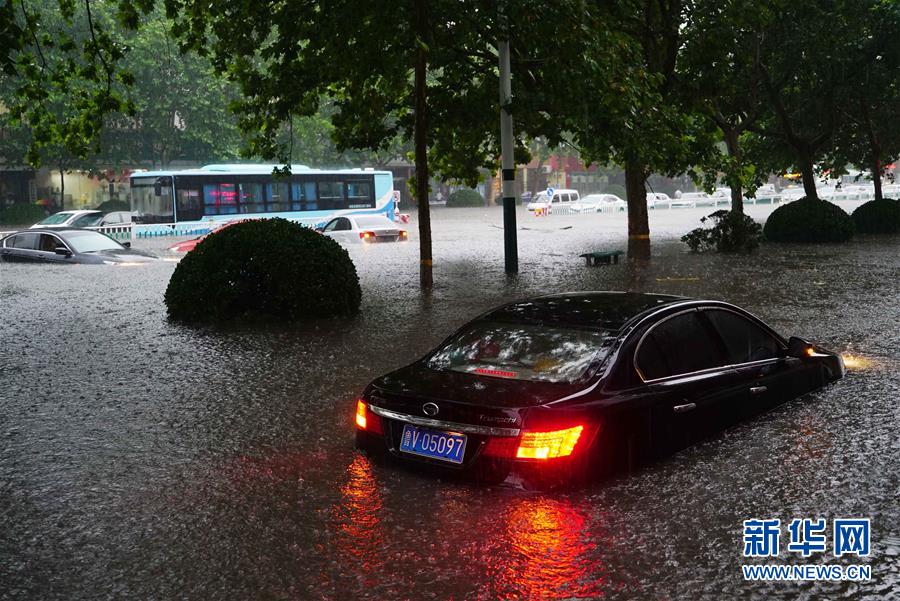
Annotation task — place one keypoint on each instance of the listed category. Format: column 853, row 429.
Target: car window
column 744, row 340
column 374, row 221
column 678, row 345
column 343, row 224
column 331, row 225
column 87, row 220
column 523, row 351
column 23, row 241
column 48, row 243
column 112, row 218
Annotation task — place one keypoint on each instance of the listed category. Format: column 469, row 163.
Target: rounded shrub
column 113, row 205
column 809, row 220
column 264, row 269
column 878, row 217
column 21, row 214
column 465, row 198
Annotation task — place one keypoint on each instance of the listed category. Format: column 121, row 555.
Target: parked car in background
column 71, row 219
column 543, row 201
column 689, row 199
column 68, row 246
column 84, row 218
column 581, row 385
column 116, row 218
column 595, row 203
column 657, row 198
column 354, row 229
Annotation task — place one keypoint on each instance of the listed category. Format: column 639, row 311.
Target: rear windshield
column 56, row 219
column 374, row 221
column 523, row 351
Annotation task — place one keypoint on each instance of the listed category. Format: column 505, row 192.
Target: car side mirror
column 800, row 348
column 62, row 250
column 126, row 244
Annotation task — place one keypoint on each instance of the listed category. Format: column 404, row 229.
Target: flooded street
column 149, row 460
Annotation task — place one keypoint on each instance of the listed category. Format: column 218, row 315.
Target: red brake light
column 366, row 419
column 549, row 445
column 361, row 415
column 367, row 235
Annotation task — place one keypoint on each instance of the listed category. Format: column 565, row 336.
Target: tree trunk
column 809, row 177
column 876, row 172
column 733, row 144
column 535, row 185
column 62, row 189
column 426, row 279
column 638, row 224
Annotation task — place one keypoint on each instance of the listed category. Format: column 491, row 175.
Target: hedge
column 809, row 220
column 267, row 269
column 878, row 217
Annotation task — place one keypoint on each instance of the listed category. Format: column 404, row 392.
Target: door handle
column 684, row 408
column 758, row 389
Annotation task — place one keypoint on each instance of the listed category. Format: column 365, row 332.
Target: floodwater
column 143, row 459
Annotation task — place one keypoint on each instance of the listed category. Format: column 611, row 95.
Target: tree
column 720, row 66
column 649, row 124
column 870, row 132
column 63, row 52
column 804, row 64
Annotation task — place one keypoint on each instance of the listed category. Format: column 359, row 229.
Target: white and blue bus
column 194, row 200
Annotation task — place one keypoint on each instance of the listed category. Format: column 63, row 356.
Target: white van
column 560, row 198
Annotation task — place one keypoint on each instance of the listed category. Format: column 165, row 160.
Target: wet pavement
column 144, row 459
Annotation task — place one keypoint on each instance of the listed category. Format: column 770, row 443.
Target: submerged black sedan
column 68, row 246
column 578, row 385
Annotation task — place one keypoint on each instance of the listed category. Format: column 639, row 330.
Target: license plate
column 445, row 446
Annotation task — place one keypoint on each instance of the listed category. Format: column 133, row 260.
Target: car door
column 21, row 248
column 329, row 229
column 46, row 249
column 769, row 376
column 686, row 373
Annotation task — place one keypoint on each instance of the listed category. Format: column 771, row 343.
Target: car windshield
column 523, row 351
column 542, row 197
column 87, row 241
column 374, row 221
column 56, row 219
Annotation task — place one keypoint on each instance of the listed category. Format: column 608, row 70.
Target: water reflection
column 550, row 554
column 359, row 534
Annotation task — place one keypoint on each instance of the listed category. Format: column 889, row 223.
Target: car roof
column 607, row 310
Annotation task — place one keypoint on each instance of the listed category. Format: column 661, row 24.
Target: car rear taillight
column 548, row 445
column 366, row 420
column 367, row 236
column 403, row 233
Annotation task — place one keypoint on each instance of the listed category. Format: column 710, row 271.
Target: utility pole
column 510, row 244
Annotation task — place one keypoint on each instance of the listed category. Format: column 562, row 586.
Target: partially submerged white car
column 560, row 198
column 596, row 203
column 355, row 229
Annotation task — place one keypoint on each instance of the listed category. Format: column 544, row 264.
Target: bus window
column 252, row 198
column 278, row 197
column 304, row 196
column 331, row 195
column 220, row 199
column 189, row 206
column 359, row 195
column 147, row 205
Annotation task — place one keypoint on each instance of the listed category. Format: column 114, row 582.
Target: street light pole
column 510, row 245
